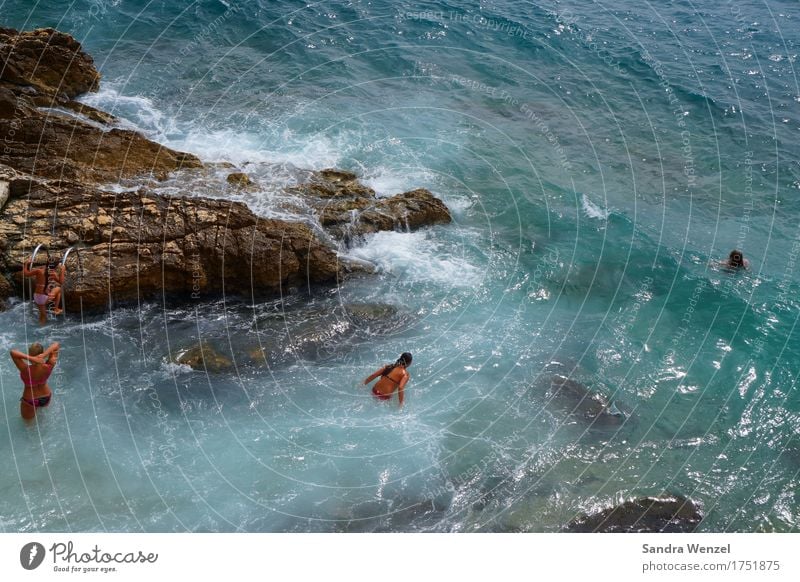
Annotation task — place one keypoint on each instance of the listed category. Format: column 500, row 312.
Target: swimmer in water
column 393, row 377
column 735, row 260
column 35, row 368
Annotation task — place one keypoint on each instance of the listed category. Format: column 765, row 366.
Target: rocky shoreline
column 57, row 160
column 59, row 155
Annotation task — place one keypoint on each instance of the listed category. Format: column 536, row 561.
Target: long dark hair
column 404, row 360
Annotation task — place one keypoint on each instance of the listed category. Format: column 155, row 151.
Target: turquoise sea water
column 597, row 158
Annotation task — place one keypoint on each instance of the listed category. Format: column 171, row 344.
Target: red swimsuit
column 29, row 381
column 379, row 395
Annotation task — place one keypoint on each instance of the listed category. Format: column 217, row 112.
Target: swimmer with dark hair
column 393, row 377
column 736, row 260
column 40, row 296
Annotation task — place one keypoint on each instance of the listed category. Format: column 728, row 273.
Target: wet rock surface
column 137, row 244
column 348, row 209
column 575, row 399
column 203, row 356
column 46, row 133
column 319, row 335
column 670, row 513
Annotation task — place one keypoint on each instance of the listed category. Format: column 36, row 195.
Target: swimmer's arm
column 401, row 389
column 28, row 272
column 373, row 376
column 18, row 357
column 61, row 274
column 51, row 354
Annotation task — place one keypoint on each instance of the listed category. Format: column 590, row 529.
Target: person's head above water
column 736, row 258
column 404, row 360
column 35, row 349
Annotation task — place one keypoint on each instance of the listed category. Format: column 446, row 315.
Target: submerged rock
column 316, row 334
column 258, row 355
column 239, row 180
column 203, row 356
column 376, row 319
column 672, row 514
column 575, row 398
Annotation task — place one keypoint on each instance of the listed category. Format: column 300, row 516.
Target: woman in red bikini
column 393, row 377
column 34, row 375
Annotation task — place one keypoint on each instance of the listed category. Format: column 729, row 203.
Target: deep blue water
column 598, row 157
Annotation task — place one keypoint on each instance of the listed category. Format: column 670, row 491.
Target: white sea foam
column 457, row 206
column 592, row 210
column 390, row 181
column 417, row 258
column 242, row 147
column 134, row 112
column 171, row 369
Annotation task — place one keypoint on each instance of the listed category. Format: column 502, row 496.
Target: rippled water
column 597, row 158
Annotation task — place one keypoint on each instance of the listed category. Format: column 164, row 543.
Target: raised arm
column 50, row 355
column 61, row 274
column 19, row 359
column 373, row 376
column 26, row 270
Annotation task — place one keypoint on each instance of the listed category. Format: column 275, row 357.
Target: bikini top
column 386, row 375
column 30, row 381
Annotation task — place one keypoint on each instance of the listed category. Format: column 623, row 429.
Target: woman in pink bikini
column 393, row 377
column 34, row 375
column 40, row 296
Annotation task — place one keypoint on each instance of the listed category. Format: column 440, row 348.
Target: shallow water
column 596, row 160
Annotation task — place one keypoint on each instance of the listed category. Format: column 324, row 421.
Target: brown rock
column 239, row 179
column 334, row 175
column 203, row 356
column 136, row 245
column 671, row 514
column 333, row 184
column 4, row 192
column 349, row 209
column 50, row 61
column 258, row 355
column 408, row 211
column 6, row 291
column 62, row 148
column 42, row 69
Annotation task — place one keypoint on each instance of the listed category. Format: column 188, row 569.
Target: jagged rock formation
column 348, row 209
column 138, row 246
column 57, row 153
column 46, row 133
